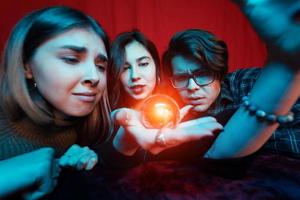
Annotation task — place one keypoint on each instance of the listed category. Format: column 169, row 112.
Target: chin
column 200, row 108
column 81, row 113
column 140, row 96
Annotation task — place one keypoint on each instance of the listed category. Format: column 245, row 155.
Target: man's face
column 196, row 85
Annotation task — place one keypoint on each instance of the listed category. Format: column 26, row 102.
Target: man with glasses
column 196, row 62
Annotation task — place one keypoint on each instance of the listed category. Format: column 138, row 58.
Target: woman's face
column 139, row 72
column 70, row 71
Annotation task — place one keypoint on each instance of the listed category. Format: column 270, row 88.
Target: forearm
column 125, row 143
column 276, row 90
column 14, row 177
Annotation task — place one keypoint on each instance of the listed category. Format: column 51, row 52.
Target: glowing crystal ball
column 160, row 110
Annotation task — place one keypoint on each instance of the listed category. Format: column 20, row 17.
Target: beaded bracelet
column 263, row 116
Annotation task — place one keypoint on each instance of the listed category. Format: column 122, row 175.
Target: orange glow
column 160, row 110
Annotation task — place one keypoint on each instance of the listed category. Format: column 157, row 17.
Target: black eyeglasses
column 201, row 78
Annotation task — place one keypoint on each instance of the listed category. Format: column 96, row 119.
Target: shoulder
column 243, row 74
column 239, row 83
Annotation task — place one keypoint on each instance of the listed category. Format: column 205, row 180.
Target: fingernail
column 91, row 163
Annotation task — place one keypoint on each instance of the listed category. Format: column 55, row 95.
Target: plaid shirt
column 286, row 139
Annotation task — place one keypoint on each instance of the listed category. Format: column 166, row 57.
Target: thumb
column 184, row 111
column 122, row 117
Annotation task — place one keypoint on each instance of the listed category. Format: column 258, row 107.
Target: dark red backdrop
column 158, row 19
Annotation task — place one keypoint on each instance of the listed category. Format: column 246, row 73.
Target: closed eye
column 101, row 65
column 126, row 66
column 143, row 64
column 70, row 60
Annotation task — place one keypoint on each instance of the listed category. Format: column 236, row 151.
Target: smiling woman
column 53, row 94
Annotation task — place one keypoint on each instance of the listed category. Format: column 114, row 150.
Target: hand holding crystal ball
column 159, row 111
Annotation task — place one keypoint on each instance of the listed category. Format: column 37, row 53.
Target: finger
column 76, row 155
column 127, row 117
column 184, row 111
column 92, row 162
column 73, row 149
column 198, row 121
column 70, row 155
column 207, row 129
column 113, row 114
column 84, row 159
column 213, row 126
column 122, row 117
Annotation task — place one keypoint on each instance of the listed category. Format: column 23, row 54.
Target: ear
column 28, row 72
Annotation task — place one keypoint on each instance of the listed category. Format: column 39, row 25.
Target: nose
column 192, row 85
column 91, row 77
column 134, row 75
column 90, row 81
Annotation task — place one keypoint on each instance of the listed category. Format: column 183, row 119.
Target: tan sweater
column 24, row 136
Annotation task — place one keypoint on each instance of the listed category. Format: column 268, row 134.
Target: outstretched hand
column 146, row 138
column 278, row 24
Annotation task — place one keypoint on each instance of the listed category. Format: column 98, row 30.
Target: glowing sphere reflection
column 160, row 110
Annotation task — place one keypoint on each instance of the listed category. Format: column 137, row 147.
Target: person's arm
column 276, row 90
column 36, row 168
column 125, row 143
column 278, row 87
column 119, row 151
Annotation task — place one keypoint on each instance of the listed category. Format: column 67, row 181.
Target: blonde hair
column 15, row 94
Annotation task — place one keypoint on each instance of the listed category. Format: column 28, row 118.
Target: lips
column 137, row 89
column 86, row 96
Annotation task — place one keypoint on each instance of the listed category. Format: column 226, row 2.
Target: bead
column 290, row 117
column 252, row 108
column 263, row 116
column 247, row 103
column 260, row 113
column 282, row 119
column 271, row 118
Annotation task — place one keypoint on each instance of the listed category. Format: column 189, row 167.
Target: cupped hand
column 79, row 158
column 191, row 130
column 184, row 132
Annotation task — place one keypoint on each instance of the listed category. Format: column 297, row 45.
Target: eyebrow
column 138, row 59
column 143, row 57
column 102, row 57
column 74, row 48
column 78, row 49
column 181, row 73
